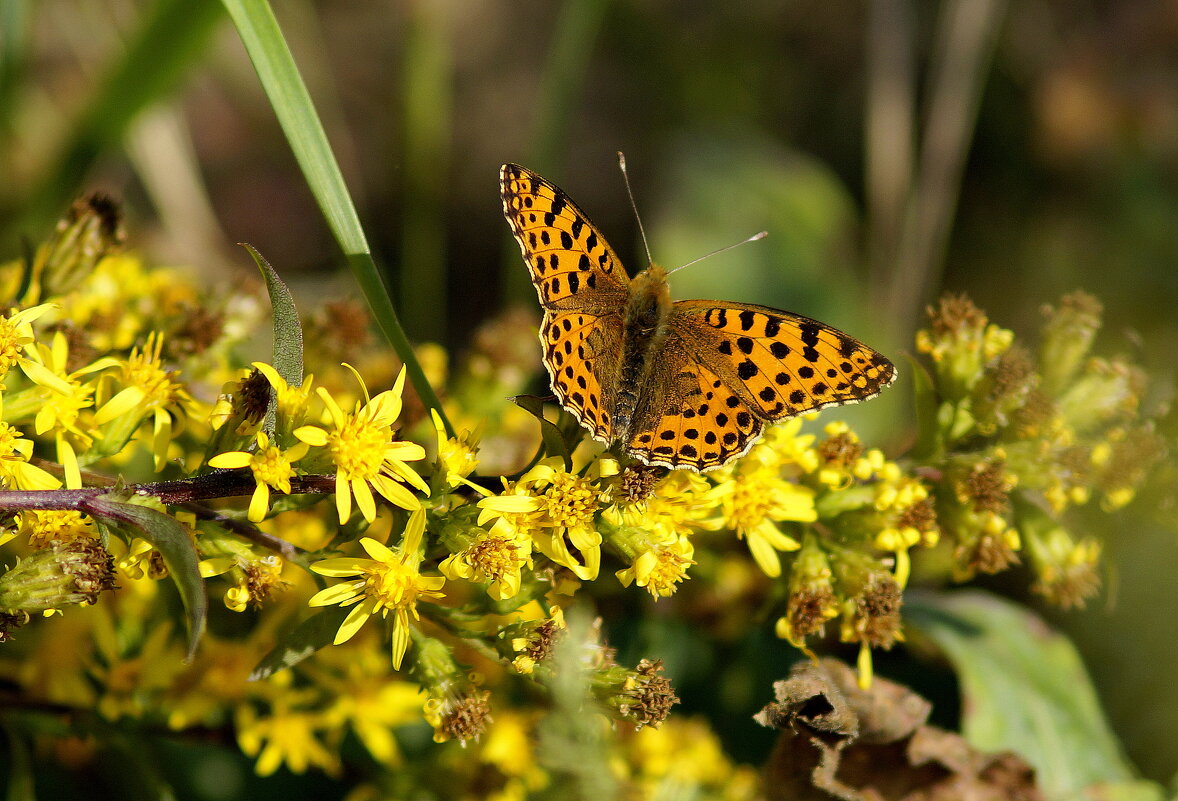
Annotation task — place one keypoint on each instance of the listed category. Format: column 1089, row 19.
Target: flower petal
column 395, row 493
column 230, row 460
column 119, row 405
column 259, row 503
column 377, row 550
column 354, row 621
column 341, row 566
column 312, row 435
column 364, row 500
column 335, row 594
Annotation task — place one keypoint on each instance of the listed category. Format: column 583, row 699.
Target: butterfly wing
column 779, row 364
column 583, row 288
column 690, row 417
column 582, row 353
column 571, row 264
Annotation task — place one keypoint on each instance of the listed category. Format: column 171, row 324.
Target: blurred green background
column 892, row 148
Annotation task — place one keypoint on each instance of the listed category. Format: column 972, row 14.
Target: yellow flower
column 148, row 389
column 16, row 335
column 457, row 456
column 364, row 452
column 497, row 556
column 753, row 500
column 254, row 579
column 15, row 470
column 45, row 528
column 287, row 736
column 290, row 403
column 661, row 568
column 388, row 582
column 372, row 702
column 557, row 509
column 58, row 400
column 676, row 505
column 271, row 466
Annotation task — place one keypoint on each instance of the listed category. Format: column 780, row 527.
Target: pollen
column 358, row 447
column 572, row 501
column 144, row 370
column 272, row 466
column 494, row 556
column 392, row 584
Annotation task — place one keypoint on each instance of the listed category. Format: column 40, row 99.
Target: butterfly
column 685, row 384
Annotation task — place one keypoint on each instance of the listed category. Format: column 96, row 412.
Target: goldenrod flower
column 364, row 452
column 961, row 341
column 753, row 500
column 290, row 403
column 457, row 456
column 660, row 568
column 388, row 582
column 785, row 448
column 15, row 470
column 55, row 527
column 497, row 556
column 16, row 334
column 557, row 509
column 62, row 575
column 673, row 507
column 271, row 466
column 59, row 399
column 288, row 736
column 812, row 599
column 254, row 579
column 373, row 704
column 148, row 389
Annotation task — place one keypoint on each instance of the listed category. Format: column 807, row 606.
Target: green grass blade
column 263, row 40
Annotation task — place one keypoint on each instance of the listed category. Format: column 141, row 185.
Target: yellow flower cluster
column 387, row 584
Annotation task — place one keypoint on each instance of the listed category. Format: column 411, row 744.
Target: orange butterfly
column 686, row 384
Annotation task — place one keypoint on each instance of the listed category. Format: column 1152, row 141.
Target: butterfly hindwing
column 581, row 353
column 781, row 364
column 567, row 256
column 691, row 418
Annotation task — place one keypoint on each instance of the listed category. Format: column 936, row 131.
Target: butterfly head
column 649, row 300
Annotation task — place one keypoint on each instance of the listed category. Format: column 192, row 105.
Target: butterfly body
column 644, row 331
column 687, row 384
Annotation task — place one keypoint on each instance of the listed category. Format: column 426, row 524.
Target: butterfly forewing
column 568, row 258
column 578, row 354
column 781, row 364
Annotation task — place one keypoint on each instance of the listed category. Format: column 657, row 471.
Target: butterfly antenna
column 753, row 238
column 633, row 205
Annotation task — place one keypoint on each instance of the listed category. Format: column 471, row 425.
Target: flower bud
column 1067, row 336
column 91, row 230
column 64, row 574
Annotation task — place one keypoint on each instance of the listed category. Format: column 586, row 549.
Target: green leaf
column 172, row 541
column 288, row 331
column 557, row 441
column 928, row 438
column 1025, row 689
column 302, row 641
